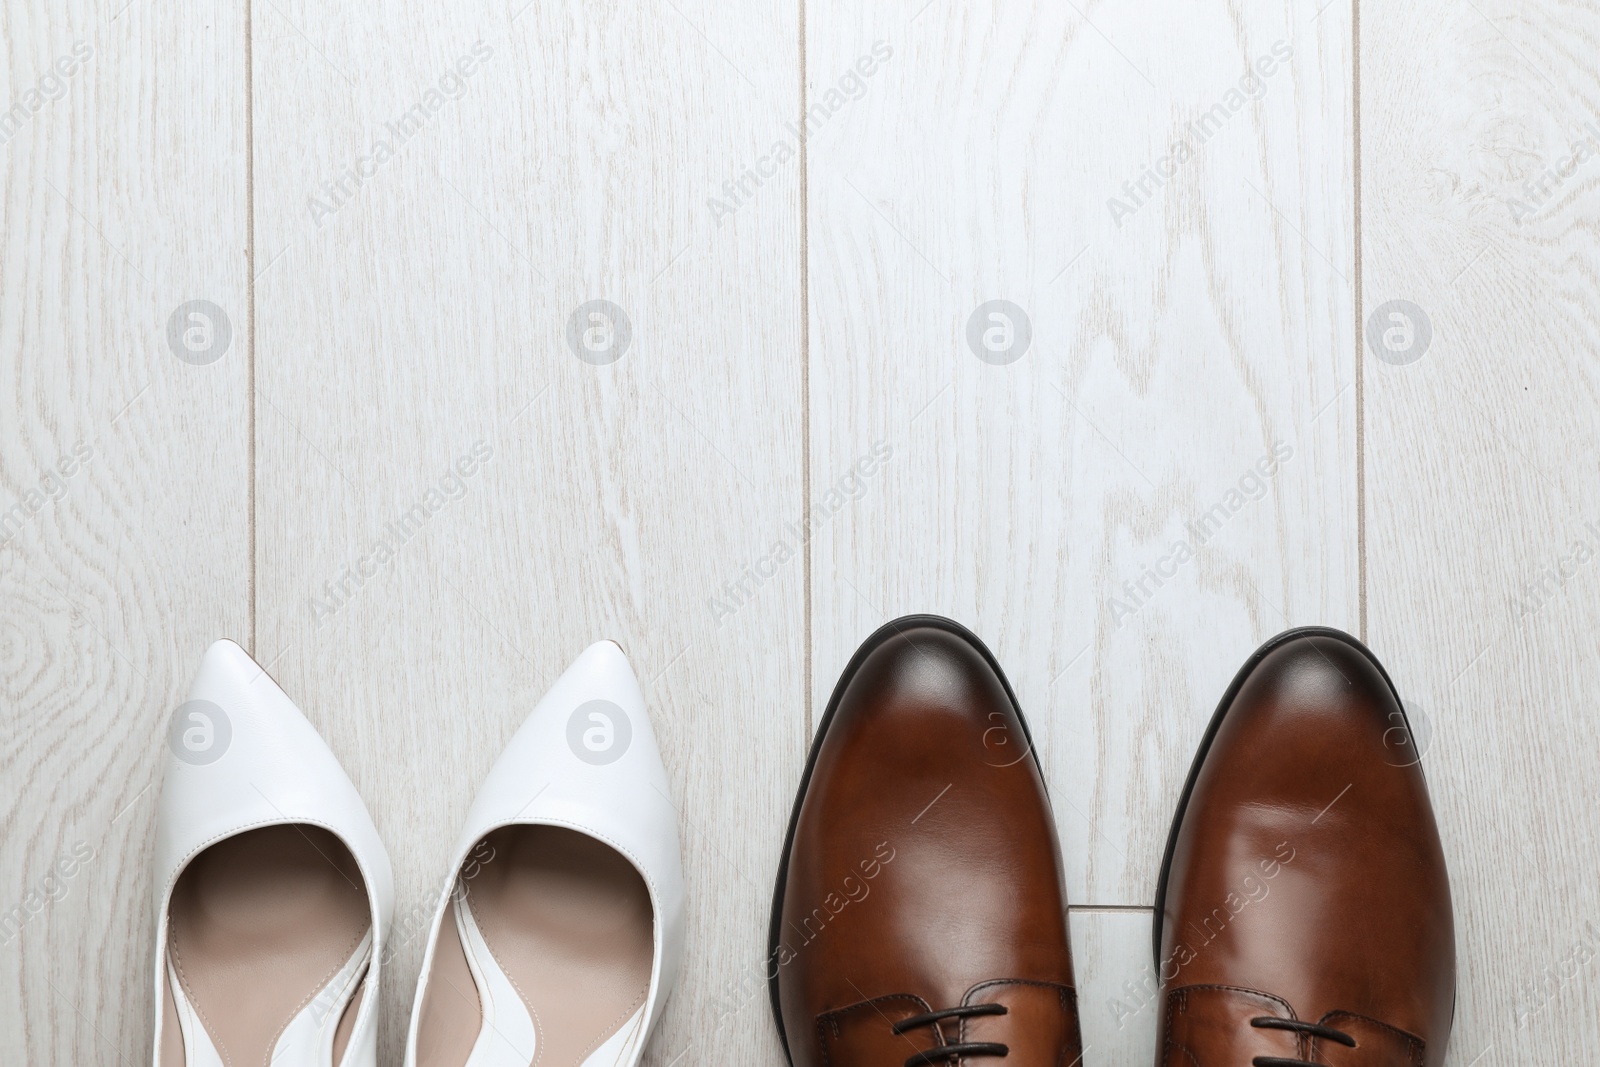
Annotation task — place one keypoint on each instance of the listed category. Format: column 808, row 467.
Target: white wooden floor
column 1199, row 216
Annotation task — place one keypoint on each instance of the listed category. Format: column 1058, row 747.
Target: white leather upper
column 509, row 1036
column 563, row 768
column 260, row 764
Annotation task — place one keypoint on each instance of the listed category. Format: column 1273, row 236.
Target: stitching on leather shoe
column 1066, row 997
column 1239, row 989
column 533, row 1013
column 1179, row 996
column 189, row 856
column 1058, row 986
column 830, row 1019
column 610, row 1031
column 1069, row 1007
column 573, row 824
column 194, row 1001
column 315, row 992
column 194, row 1005
column 1175, row 998
column 1416, row 1047
column 823, row 1023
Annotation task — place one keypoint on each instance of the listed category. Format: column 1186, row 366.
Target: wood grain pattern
column 571, row 160
column 124, row 488
column 1483, row 520
column 1093, row 509
column 436, row 191
column 1117, row 987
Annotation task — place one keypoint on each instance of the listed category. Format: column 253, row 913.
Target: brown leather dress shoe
column 1303, row 914
column 919, row 916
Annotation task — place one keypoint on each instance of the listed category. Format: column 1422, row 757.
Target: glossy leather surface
column 1306, row 878
column 924, row 871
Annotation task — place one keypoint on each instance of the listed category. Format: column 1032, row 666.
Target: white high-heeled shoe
column 559, row 931
column 273, row 891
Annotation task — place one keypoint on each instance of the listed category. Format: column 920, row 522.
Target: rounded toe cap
column 926, row 684
column 1310, row 792
column 1319, row 695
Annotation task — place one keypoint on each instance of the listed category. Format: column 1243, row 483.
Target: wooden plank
column 1483, row 527
column 1165, row 474
column 535, row 160
column 1117, row 987
column 124, row 480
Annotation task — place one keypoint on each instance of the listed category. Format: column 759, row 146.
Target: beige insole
column 258, row 924
column 569, row 921
column 451, row 1014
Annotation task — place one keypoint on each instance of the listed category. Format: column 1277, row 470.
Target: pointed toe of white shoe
column 273, row 892
column 559, row 930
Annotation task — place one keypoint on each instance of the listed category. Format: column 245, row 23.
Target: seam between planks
column 805, row 366
column 1360, row 333
column 250, row 312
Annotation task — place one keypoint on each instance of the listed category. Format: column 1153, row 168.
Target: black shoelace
column 956, row 1051
column 1328, row 1033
